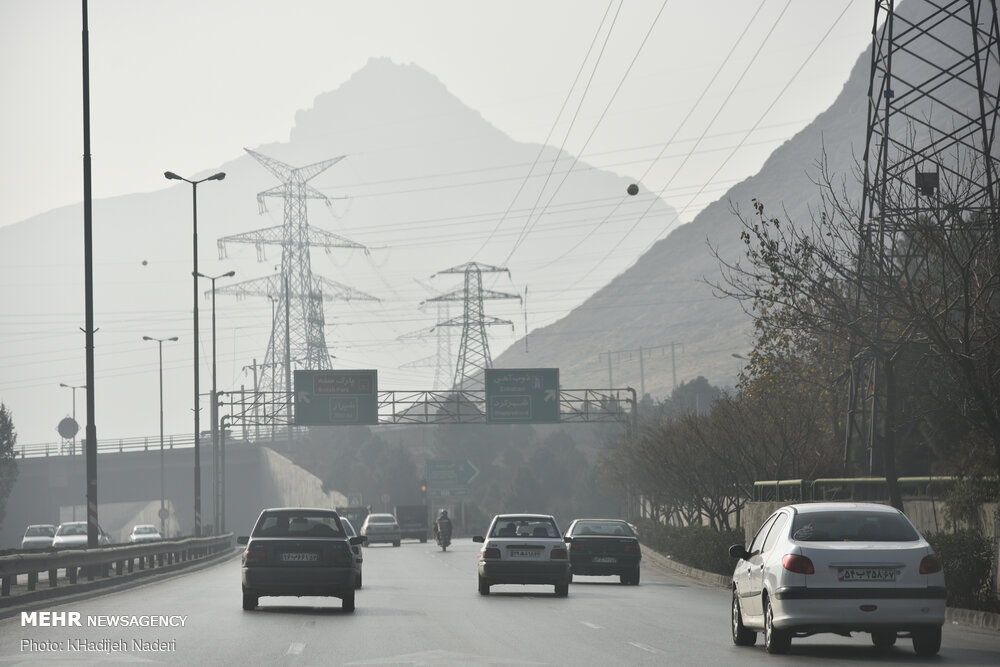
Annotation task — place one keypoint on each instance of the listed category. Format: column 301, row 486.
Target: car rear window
column 525, row 527
column 36, row 531
column 852, row 526
column 72, row 529
column 609, row 528
column 298, row 525
column 381, row 518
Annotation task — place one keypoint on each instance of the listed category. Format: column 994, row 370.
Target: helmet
column 444, row 513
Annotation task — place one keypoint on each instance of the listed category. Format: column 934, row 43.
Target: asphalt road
column 420, row 606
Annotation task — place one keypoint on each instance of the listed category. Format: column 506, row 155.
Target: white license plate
column 524, row 553
column 867, row 574
column 299, row 557
column 605, row 559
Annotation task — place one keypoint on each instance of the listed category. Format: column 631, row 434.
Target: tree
column 8, row 458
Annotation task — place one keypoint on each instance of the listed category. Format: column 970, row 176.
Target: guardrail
column 100, row 562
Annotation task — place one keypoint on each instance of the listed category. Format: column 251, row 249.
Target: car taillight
column 341, row 556
column 254, row 557
column 631, row 547
column 797, row 563
column 490, row 553
column 558, row 553
column 930, row 564
column 578, row 546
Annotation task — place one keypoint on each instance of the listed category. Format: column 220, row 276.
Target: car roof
column 40, row 525
column 843, row 507
column 523, row 515
column 328, row 510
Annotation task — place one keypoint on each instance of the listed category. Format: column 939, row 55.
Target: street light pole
column 163, row 509
column 169, row 175
column 215, row 411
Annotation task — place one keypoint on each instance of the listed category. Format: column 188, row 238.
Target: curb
column 976, row 619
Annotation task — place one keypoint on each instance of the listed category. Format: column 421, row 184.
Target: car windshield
column 39, row 531
column 525, row 527
column 852, row 526
column 298, row 524
column 146, row 530
column 381, row 518
column 610, row 528
column 72, row 529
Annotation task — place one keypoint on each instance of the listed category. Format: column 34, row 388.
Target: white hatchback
column 523, row 549
column 841, row 568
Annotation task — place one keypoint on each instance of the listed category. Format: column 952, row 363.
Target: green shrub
column 967, row 557
column 696, row 546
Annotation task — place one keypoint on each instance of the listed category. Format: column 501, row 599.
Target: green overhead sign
column 522, row 395
column 330, row 398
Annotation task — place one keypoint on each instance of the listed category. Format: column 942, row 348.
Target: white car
column 359, row 558
column 38, row 536
column 381, row 528
column 523, row 549
column 144, row 532
column 73, row 534
column 841, row 568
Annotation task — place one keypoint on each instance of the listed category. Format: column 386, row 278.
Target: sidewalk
column 976, row 619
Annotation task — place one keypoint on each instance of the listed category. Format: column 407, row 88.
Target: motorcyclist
column 442, row 527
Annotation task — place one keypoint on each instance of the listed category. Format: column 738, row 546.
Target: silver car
column 381, row 528
column 144, row 532
column 73, row 535
column 38, row 536
column 841, row 568
column 359, row 557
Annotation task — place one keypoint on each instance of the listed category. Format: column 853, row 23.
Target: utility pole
column 641, row 352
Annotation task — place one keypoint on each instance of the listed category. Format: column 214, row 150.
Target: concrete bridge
column 52, row 489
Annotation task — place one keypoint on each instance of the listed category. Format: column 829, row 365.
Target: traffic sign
column 449, row 478
column 522, row 395
column 329, row 398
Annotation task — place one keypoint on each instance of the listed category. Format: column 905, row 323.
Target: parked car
column 359, row 557
column 73, row 534
column 602, row 547
column 523, row 549
column 145, row 532
column 381, row 528
column 838, row 567
column 38, row 536
column 298, row 551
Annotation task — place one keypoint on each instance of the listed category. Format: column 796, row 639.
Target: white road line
column 295, row 649
column 647, row 649
column 592, row 626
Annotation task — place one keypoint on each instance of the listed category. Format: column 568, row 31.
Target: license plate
column 524, row 553
column 299, row 557
column 867, row 574
column 605, row 559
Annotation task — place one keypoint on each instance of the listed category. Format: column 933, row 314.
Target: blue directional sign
column 329, row 398
column 522, row 395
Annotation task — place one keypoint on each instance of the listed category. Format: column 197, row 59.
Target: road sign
column 329, row 398
column 449, row 478
column 448, row 493
column 522, row 395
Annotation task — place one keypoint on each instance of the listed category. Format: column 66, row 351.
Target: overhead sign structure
column 449, row 478
column 522, row 395
column 332, row 398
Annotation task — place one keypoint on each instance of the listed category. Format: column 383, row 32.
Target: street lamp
column 163, row 509
column 74, row 388
column 169, row 175
column 215, row 407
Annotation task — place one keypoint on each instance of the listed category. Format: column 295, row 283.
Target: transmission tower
column 474, row 350
column 442, row 361
column 930, row 153
column 298, row 321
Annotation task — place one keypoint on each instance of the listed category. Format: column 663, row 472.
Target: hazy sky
column 686, row 96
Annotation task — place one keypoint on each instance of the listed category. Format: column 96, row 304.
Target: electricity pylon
column 442, row 361
column 474, row 350
column 297, row 333
column 930, row 154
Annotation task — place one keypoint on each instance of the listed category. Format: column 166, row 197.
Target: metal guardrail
column 101, row 561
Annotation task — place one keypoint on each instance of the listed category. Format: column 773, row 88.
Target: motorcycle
column 443, row 539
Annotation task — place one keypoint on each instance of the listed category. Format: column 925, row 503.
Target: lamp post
column 74, row 388
column 215, row 409
column 163, row 509
column 169, row 175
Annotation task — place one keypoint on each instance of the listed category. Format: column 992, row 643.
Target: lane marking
column 592, row 626
column 295, row 649
column 647, row 649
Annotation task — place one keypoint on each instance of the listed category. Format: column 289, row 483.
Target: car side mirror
column 358, row 540
column 243, row 539
column 567, row 539
column 478, row 538
column 739, row 551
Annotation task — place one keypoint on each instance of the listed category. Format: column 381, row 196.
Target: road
column 420, row 606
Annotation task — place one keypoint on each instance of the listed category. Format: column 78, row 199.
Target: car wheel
column 927, row 641
column 249, row 601
column 571, row 577
column 357, row 582
column 775, row 641
column 623, row 578
column 741, row 635
column 562, row 590
column 347, row 603
column 484, row 586
column 634, row 579
column 883, row 639
column 396, row 543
